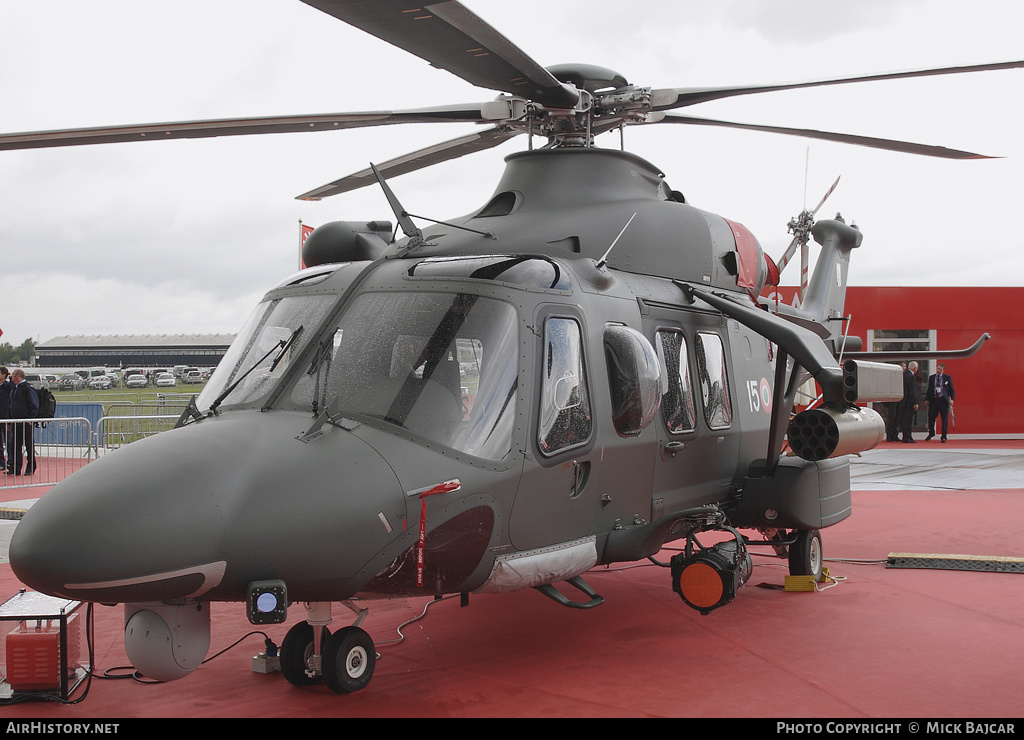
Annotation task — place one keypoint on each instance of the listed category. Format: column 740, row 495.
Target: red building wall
column 987, row 402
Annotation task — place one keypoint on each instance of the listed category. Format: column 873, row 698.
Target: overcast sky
column 186, row 236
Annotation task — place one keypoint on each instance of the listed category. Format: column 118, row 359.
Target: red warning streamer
column 421, row 544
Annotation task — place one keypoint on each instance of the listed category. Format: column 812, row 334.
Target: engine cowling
column 345, row 241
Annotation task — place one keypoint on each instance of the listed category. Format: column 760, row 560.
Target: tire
column 296, row 651
column 348, row 661
column 805, row 555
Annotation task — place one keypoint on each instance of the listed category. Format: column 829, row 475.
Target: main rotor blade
column 892, row 145
column 474, row 113
column 453, row 149
column 451, row 37
column 680, row 97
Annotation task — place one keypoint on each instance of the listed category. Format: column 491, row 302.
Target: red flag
column 304, row 232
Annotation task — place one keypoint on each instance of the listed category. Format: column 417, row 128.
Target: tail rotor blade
column 825, row 197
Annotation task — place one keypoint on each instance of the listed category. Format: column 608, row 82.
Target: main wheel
column 348, row 660
column 805, row 555
column 297, row 653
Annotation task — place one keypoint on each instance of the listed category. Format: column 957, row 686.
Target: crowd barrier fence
column 65, row 444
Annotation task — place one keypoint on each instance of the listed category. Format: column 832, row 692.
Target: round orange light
column 701, row 585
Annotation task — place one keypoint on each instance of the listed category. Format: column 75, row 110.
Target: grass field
column 144, row 395
column 135, row 401
column 122, row 408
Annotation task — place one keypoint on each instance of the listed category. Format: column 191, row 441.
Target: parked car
column 136, row 381
column 71, row 382
column 101, row 383
column 191, row 377
column 36, row 380
column 165, row 380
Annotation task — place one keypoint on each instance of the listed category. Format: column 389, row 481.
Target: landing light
column 267, row 602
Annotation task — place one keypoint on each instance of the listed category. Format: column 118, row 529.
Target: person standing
column 893, row 415
column 24, row 405
column 5, row 412
column 911, row 401
column 939, row 398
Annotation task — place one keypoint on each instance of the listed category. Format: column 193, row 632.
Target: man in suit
column 24, row 405
column 939, row 398
column 910, row 403
column 5, row 412
column 894, row 415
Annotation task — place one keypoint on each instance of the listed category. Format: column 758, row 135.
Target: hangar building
column 133, row 350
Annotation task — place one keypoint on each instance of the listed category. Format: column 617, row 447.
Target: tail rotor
column 800, row 226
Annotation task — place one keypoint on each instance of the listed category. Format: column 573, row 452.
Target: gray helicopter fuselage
column 491, row 383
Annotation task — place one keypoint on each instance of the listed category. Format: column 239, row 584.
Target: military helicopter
column 576, row 373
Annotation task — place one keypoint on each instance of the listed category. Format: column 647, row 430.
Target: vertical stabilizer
column 826, row 292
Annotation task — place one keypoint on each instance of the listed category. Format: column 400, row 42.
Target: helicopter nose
column 134, row 523
column 191, row 510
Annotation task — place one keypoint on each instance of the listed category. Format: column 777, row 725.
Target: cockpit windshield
column 274, row 335
column 440, row 365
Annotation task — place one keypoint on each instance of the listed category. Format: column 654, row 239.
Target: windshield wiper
column 281, row 347
column 323, row 356
column 285, row 348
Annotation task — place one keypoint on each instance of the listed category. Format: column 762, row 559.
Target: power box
column 43, row 646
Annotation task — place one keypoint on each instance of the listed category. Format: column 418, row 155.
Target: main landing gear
column 805, row 555
column 803, row 549
column 343, row 660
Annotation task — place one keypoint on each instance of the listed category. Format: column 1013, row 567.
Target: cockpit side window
column 565, row 417
column 677, row 404
column 714, row 380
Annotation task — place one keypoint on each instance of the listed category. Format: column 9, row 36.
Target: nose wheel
column 299, row 655
column 348, row 660
column 343, row 660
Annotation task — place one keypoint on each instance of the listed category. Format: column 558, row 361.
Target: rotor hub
column 589, row 77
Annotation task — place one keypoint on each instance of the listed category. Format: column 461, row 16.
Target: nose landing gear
column 348, row 660
column 343, row 660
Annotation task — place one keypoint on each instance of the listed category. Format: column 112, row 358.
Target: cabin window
column 565, row 419
column 714, row 381
column 677, row 404
column 634, row 379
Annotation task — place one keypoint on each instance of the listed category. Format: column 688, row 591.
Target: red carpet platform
column 881, row 643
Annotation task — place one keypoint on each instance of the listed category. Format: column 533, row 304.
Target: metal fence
column 157, row 407
column 117, row 431
column 62, row 445
column 59, row 448
column 83, row 397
